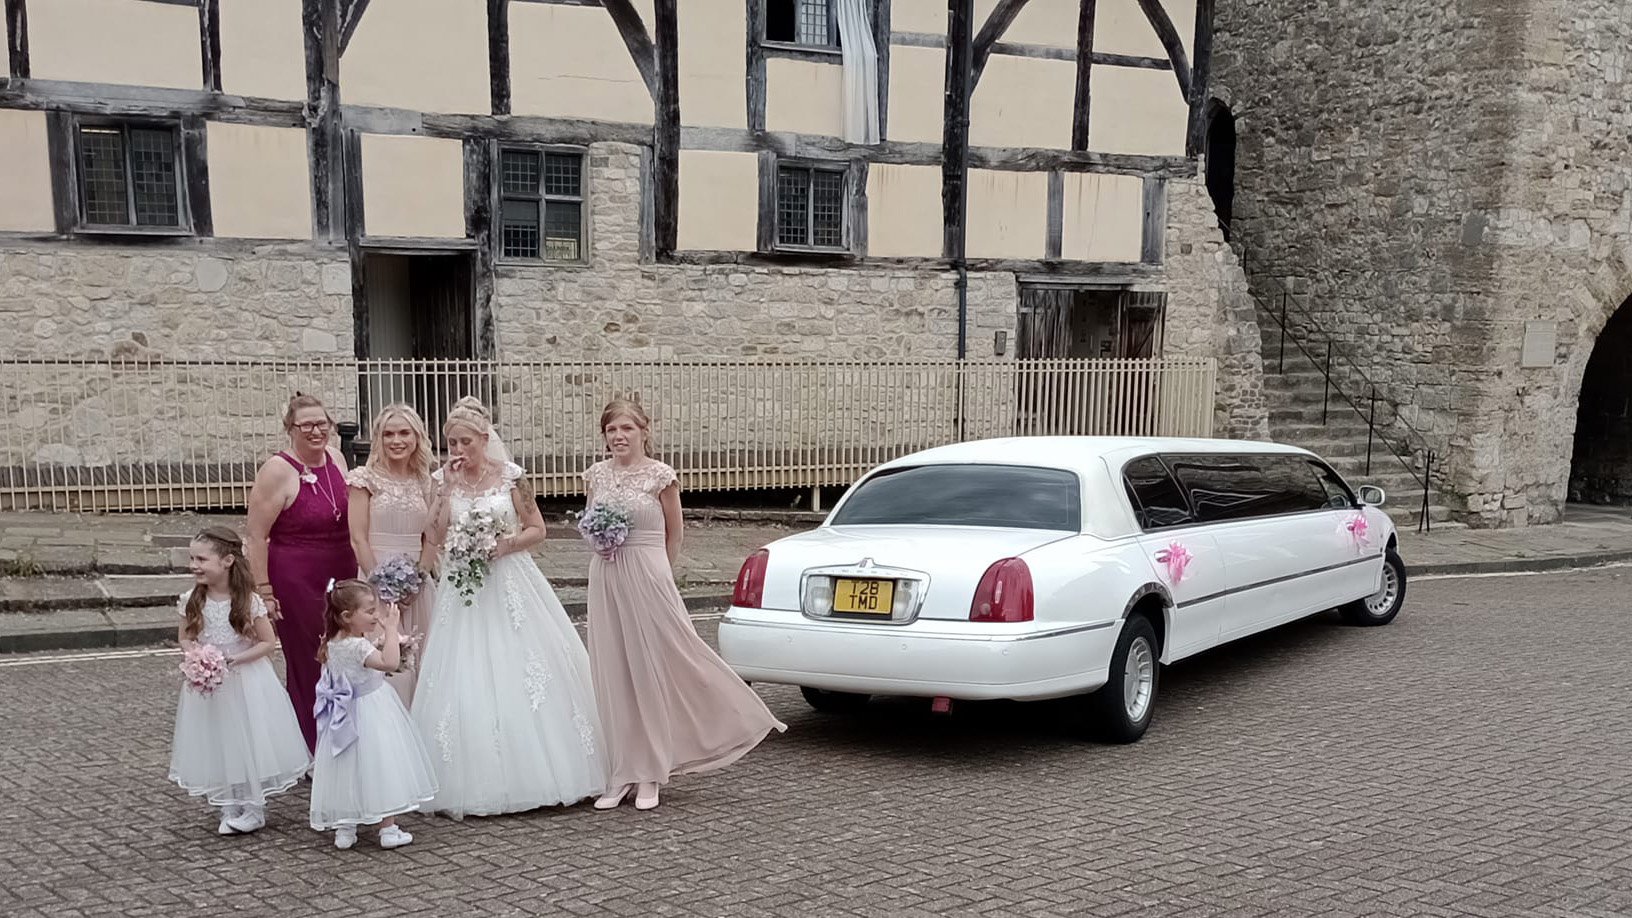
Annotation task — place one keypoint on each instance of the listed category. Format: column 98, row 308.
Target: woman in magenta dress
column 299, row 540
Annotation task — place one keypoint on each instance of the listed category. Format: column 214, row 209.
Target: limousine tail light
column 1004, row 594
column 749, row 590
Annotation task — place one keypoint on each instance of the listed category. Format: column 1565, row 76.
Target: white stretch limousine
column 1037, row 568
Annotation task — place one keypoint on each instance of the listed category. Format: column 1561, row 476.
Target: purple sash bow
column 336, row 717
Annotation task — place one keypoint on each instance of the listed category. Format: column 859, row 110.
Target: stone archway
column 1219, row 156
column 1601, row 464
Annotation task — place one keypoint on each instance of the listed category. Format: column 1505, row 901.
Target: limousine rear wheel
column 833, row 702
column 1380, row 607
column 1122, row 707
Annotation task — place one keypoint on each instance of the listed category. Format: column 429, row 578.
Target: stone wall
column 218, row 299
column 1428, row 178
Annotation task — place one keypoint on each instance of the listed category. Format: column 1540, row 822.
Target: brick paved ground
column 1472, row 759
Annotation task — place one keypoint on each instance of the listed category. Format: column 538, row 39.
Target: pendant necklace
column 322, row 488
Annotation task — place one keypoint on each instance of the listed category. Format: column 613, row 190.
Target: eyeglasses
column 313, row 427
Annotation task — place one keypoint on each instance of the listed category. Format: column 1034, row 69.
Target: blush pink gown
column 668, row 704
column 397, row 513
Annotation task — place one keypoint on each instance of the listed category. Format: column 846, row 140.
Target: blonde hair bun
column 470, row 411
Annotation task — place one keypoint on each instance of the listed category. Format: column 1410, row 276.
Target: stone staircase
column 1293, row 395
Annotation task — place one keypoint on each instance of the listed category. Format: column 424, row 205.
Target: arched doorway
column 1220, row 153
column 1601, row 467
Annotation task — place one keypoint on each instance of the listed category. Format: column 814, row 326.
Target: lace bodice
column 346, row 656
column 636, row 488
column 217, row 628
column 495, row 500
column 397, row 512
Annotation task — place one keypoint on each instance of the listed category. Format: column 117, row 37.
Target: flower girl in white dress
column 504, row 699
column 238, row 743
column 370, row 766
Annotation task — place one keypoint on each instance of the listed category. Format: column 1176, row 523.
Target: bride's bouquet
column 606, row 526
column 472, row 539
column 204, row 668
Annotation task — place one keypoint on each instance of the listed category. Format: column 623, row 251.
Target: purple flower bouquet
column 605, row 525
column 397, row 580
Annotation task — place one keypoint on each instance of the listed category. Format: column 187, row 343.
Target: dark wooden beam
column 195, row 168
column 881, row 41
column 209, row 42
column 481, row 208
column 955, row 126
column 1040, row 52
column 1200, row 74
column 1054, row 227
column 1163, row 24
column 755, row 10
column 60, row 145
column 350, row 145
column 1080, row 105
column 1153, row 226
column 997, row 23
column 666, row 130
column 351, row 13
column 320, row 24
column 1062, row 272
column 17, row 38
column 498, row 54
column 114, row 99
column 635, row 38
column 857, row 218
column 765, row 223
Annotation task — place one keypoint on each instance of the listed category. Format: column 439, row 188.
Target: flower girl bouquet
column 606, row 526
column 472, row 539
column 396, row 581
column 407, row 650
column 204, row 667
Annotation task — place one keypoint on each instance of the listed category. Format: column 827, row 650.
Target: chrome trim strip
column 989, row 638
column 1277, row 580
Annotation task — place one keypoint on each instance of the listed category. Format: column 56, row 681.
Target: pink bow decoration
column 1177, row 558
column 1356, row 528
column 333, row 710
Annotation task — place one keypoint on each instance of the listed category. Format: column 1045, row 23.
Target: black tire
column 833, row 702
column 1380, row 607
column 1107, row 709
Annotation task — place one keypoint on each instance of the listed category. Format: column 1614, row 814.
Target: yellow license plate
column 863, row 597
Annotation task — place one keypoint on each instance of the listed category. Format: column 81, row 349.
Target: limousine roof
column 1105, row 513
column 1081, row 454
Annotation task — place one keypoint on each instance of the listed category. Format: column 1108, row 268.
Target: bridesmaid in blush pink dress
column 390, row 505
column 668, row 704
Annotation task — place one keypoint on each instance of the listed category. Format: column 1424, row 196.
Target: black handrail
column 1283, row 318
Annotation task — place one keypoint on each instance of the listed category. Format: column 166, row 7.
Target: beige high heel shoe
column 611, row 799
column 643, row 802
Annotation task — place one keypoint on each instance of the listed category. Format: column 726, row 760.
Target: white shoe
column 345, row 837
column 228, row 814
column 249, row 819
column 393, row 837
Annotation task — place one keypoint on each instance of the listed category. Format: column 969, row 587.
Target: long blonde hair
column 419, row 462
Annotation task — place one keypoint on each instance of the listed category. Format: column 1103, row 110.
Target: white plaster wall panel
column 1136, row 111
column 928, row 16
column 260, row 182
column 116, row 41
column 425, row 55
column 1120, row 27
column 904, row 211
column 1102, row 218
column 25, row 173
column 1007, row 214
column 719, row 201
column 413, row 186
column 262, row 50
column 917, row 103
column 713, row 64
column 1041, row 22
column 570, row 62
column 804, row 96
column 1023, row 102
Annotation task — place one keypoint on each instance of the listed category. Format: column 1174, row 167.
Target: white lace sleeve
column 361, row 477
column 347, row 653
column 512, row 473
column 436, row 476
column 257, row 609
column 181, row 603
column 660, row 476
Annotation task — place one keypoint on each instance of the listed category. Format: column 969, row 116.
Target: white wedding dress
column 504, row 699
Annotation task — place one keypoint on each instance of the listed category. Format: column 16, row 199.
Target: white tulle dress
column 377, row 770
column 241, row 743
column 504, row 700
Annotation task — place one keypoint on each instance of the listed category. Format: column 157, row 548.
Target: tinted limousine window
column 1001, row 496
column 1155, row 496
column 1231, row 487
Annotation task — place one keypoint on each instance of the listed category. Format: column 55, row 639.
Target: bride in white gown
column 504, row 699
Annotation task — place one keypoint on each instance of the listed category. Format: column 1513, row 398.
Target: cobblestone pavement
column 1472, row 759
